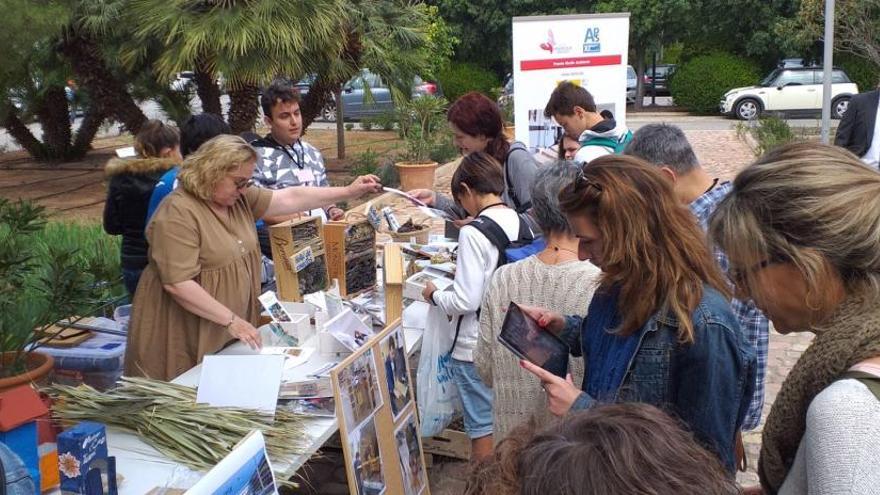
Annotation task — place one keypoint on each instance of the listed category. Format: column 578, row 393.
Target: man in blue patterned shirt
column 667, row 147
column 283, row 158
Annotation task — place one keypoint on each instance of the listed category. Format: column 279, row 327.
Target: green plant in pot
column 421, row 122
column 41, row 283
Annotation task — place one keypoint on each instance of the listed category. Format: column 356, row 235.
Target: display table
column 143, row 468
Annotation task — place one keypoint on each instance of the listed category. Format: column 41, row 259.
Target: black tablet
column 522, row 335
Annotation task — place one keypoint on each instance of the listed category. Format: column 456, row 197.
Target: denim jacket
column 707, row 384
column 16, row 479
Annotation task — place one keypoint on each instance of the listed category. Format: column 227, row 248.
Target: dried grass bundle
column 168, row 418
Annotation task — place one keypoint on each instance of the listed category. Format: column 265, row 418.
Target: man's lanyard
column 299, row 161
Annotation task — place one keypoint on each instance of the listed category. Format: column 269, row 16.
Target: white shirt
column 477, row 260
column 872, row 156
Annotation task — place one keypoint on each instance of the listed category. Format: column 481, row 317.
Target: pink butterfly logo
column 550, row 43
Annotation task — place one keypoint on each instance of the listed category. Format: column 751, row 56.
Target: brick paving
column 723, row 154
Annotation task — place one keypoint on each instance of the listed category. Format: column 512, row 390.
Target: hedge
column 699, row 83
column 460, row 78
column 861, row 71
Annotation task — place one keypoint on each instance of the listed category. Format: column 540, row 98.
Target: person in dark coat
column 131, row 182
column 857, row 131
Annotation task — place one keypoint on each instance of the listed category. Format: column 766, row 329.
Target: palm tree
column 247, row 41
column 35, row 74
column 386, row 36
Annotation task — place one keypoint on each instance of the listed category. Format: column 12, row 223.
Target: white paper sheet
column 248, row 382
column 405, row 195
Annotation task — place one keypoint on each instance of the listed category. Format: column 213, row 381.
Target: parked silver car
column 632, row 83
column 368, row 96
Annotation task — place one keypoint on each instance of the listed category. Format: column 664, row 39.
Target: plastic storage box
column 97, row 362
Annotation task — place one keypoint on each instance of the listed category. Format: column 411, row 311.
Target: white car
column 792, row 91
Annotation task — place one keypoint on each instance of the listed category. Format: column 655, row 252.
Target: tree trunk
column 20, row 133
column 340, row 125
column 323, row 88
column 53, row 115
column 312, row 105
column 640, row 77
column 243, row 108
column 208, row 90
column 107, row 90
column 88, row 128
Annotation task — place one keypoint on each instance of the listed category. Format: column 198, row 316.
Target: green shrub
column 699, row 83
column 366, row 163
column 460, row 78
column 386, row 121
column 96, row 252
column 861, row 71
column 769, row 132
column 367, row 124
column 349, row 126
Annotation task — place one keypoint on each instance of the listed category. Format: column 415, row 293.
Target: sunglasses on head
column 582, row 181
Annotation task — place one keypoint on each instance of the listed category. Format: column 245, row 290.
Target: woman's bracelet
column 231, row 321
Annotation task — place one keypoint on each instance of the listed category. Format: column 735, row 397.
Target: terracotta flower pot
column 39, row 366
column 416, row 175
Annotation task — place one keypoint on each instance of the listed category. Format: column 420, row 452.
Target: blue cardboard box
column 82, row 455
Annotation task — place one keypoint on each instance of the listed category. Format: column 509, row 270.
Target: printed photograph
column 359, row 390
column 271, row 304
column 366, row 459
column 410, row 455
column 252, row 478
column 393, row 355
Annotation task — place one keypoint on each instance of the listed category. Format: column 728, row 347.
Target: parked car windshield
column 630, row 72
column 768, row 81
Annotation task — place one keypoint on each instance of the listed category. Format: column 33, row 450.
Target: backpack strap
column 867, row 379
column 516, row 204
column 496, row 235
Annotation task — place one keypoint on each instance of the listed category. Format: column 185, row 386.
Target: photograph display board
column 589, row 50
column 375, row 409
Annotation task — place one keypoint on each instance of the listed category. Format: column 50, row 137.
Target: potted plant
column 40, row 284
column 421, row 122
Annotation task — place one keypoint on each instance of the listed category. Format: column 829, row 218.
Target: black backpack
column 506, row 248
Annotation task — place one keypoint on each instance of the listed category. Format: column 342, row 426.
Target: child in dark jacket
column 131, row 183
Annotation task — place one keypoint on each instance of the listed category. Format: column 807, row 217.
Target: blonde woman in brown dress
column 199, row 290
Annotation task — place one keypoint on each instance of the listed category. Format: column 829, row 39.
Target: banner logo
column 591, row 41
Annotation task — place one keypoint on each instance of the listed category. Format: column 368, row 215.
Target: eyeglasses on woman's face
column 243, row 182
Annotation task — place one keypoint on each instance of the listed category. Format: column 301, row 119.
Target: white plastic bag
column 438, row 398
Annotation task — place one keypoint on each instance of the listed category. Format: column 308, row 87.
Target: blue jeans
column 130, row 277
column 476, row 399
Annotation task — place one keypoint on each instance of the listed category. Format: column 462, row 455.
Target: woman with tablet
column 659, row 329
